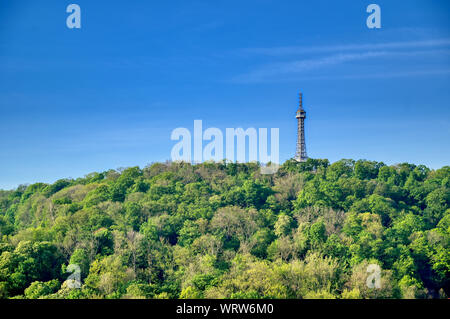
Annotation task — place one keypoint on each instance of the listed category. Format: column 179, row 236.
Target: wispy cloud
column 370, row 75
column 340, row 54
column 277, row 69
column 295, row 50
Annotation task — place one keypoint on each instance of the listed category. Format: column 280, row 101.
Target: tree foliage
column 224, row 230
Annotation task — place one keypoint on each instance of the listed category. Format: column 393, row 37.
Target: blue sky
column 109, row 94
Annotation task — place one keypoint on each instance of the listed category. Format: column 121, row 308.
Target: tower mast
column 300, row 154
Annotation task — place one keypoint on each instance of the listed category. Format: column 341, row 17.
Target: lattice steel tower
column 300, row 154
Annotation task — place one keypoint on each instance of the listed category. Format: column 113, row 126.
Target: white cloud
column 276, row 71
column 295, row 50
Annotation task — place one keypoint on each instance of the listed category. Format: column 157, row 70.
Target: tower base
column 301, row 159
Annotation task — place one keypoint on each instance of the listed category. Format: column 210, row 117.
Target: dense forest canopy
column 224, row 230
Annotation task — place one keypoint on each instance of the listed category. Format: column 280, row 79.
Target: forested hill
column 215, row 230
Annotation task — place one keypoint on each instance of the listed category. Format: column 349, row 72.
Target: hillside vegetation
column 216, row 230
